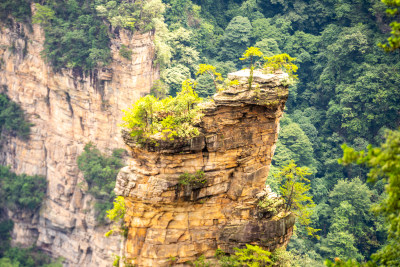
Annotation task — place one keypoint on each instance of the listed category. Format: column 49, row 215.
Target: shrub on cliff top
column 167, row 118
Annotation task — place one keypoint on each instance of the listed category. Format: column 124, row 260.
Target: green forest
column 347, row 92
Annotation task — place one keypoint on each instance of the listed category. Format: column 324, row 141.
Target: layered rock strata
column 173, row 222
column 68, row 109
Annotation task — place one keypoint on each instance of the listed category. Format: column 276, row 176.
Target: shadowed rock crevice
column 237, row 137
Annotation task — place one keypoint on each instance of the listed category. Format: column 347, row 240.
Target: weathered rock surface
column 68, row 109
column 238, row 134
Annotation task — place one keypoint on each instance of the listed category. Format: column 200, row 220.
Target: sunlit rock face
column 168, row 220
column 68, row 109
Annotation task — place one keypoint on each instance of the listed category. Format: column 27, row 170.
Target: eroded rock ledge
column 238, row 135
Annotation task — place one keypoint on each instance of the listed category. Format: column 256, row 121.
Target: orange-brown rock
column 168, row 219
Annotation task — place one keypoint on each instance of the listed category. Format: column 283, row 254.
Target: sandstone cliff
column 170, row 220
column 68, row 109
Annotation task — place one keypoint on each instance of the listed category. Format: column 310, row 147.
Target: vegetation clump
column 169, row 118
column 19, row 9
column 210, row 70
column 282, row 62
column 271, row 205
column 28, row 257
column 12, row 118
column 21, row 191
column 192, row 180
column 125, row 52
column 384, row 164
column 393, row 41
column 100, row 173
column 117, row 214
column 294, row 190
column 251, row 255
column 250, row 53
column 76, row 35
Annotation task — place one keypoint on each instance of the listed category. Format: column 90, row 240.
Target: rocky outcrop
column 68, row 109
column 171, row 218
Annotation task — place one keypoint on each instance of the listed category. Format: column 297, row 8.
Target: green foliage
column 236, row 38
column 384, row 164
column 43, row 15
column 12, row 119
column 116, row 214
column 171, row 261
column 15, row 256
column 100, row 173
column 201, row 262
column 294, row 191
column 394, row 40
column 118, row 13
column 6, row 227
column 250, row 53
column 339, row 242
column 159, row 89
column 174, row 77
column 252, row 256
column 167, row 118
column 125, row 52
column 340, row 263
column 162, row 49
column 293, row 144
column 75, row 36
column 268, row 47
column 21, row 191
column 205, row 86
column 283, row 62
column 116, row 261
column 19, row 9
column 118, row 211
column 192, row 180
column 271, row 205
column 131, row 15
column 210, row 70
column 283, row 258
column 27, row 257
column 24, row 193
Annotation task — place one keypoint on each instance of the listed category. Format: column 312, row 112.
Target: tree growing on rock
column 210, row 70
column 251, row 53
column 294, row 189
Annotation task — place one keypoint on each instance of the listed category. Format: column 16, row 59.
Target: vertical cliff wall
column 68, row 110
column 169, row 219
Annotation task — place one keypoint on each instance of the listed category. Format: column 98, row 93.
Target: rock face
column 68, row 109
column 168, row 218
